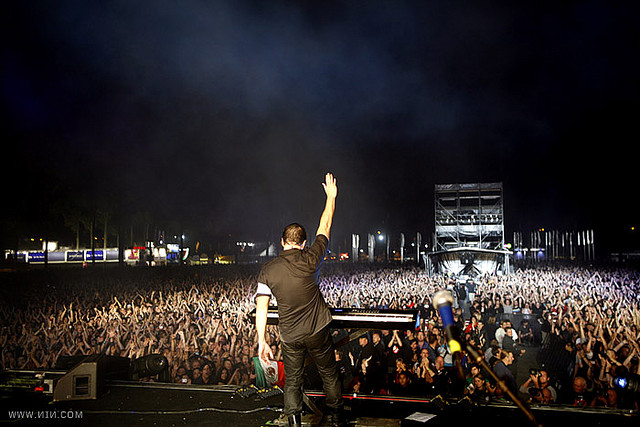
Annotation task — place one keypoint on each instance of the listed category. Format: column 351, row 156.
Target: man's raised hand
column 330, row 186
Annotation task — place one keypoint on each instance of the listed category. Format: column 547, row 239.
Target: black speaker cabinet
column 87, row 375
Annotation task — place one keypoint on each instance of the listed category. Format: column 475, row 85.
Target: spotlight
column 629, row 382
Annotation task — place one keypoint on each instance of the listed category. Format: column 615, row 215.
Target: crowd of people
column 582, row 323
column 197, row 319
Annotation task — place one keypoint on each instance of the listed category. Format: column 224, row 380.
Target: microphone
column 442, row 301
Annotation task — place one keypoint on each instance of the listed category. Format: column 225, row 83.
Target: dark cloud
column 227, row 114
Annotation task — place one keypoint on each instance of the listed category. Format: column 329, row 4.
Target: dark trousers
column 320, row 348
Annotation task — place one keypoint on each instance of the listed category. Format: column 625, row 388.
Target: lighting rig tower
column 469, row 225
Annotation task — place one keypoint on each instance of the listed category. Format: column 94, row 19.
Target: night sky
column 222, row 117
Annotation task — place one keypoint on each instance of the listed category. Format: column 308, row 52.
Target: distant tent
column 271, row 250
column 469, row 261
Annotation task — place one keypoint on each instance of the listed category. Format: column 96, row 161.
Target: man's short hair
column 294, row 233
column 505, row 353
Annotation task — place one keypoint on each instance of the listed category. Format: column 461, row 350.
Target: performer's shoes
column 334, row 418
column 295, row 420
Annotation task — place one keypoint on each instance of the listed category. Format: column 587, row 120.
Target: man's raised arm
column 331, row 189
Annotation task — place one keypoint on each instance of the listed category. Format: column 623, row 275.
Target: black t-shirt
column 292, row 278
column 368, row 352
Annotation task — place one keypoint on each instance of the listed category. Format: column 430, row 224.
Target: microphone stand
column 480, row 360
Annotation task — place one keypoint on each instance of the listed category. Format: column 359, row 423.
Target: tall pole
column 355, row 247
column 387, row 248
column 571, row 253
column 93, row 241
column 104, row 243
column 46, row 250
column 371, row 244
column 120, row 251
column 182, row 248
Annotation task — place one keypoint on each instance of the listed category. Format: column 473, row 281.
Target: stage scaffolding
column 469, row 229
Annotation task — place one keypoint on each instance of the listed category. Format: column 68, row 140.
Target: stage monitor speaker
column 86, row 379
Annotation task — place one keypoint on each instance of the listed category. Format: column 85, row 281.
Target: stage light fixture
column 150, row 365
column 629, row 383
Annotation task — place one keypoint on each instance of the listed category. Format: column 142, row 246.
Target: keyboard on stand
column 371, row 318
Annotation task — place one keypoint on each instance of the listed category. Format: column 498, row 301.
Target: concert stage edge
column 124, row 403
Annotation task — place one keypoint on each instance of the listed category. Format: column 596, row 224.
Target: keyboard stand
column 310, row 404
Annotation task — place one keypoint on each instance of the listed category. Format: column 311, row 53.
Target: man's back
column 502, row 371
column 303, row 314
column 292, row 278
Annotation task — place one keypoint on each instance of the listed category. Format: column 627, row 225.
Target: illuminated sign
column 56, row 256
column 36, row 257
column 75, row 256
column 132, row 254
column 99, row 256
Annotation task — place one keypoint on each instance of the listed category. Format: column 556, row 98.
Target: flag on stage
column 268, row 373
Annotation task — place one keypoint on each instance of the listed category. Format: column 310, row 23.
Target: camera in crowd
column 534, row 372
column 534, row 392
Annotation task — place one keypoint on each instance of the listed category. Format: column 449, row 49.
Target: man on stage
column 302, row 311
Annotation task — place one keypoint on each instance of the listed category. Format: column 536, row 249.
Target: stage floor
column 133, row 403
